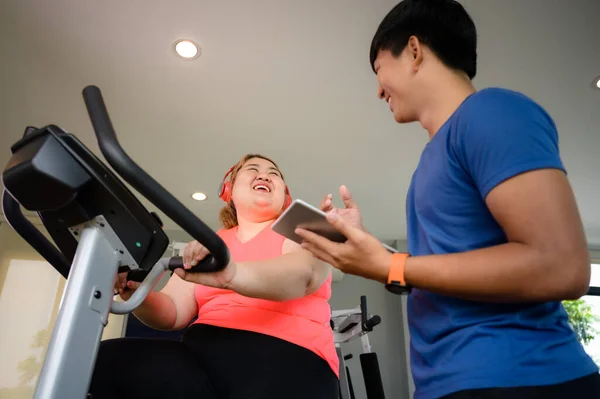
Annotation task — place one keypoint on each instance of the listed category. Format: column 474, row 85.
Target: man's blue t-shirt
column 457, row 344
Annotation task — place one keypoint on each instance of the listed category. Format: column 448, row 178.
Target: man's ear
column 415, row 49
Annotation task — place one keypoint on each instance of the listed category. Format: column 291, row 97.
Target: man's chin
column 404, row 119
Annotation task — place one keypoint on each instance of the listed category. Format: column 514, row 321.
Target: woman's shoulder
column 222, row 232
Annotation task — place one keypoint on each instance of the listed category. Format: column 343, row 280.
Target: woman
column 263, row 322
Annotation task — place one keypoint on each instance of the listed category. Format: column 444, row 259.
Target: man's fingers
column 326, row 203
column 343, row 226
column 320, row 254
column 317, row 241
column 347, row 197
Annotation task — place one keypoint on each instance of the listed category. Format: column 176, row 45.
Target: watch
column 396, row 283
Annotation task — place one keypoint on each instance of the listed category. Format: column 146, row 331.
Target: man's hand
column 351, row 212
column 361, row 255
column 195, row 252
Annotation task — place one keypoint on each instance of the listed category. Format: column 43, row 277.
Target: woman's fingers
column 133, row 285
column 186, row 254
column 193, row 253
column 122, row 286
column 198, row 253
column 120, row 282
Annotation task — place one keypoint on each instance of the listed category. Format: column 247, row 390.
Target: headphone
column 226, row 187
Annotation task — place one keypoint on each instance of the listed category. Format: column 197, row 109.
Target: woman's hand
column 193, row 253
column 350, row 213
column 124, row 287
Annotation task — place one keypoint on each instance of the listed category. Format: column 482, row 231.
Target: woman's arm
column 294, row 274
column 170, row 309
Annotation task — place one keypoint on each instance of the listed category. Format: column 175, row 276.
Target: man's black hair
column 442, row 25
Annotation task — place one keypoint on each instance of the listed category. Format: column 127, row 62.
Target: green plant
column 582, row 319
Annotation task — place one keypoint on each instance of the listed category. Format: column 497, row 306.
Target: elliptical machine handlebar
column 18, row 221
column 151, row 189
column 99, row 229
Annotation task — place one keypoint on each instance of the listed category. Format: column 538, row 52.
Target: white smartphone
column 306, row 216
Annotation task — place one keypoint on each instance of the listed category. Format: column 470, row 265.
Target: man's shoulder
column 498, row 100
column 499, row 108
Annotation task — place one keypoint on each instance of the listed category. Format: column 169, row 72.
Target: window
column 27, row 305
column 584, row 315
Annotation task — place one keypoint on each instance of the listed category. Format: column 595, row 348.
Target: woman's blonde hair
column 228, row 215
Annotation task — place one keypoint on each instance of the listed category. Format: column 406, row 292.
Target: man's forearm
column 157, row 311
column 510, row 272
column 283, row 278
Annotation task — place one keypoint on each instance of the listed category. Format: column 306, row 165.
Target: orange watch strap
column 397, row 268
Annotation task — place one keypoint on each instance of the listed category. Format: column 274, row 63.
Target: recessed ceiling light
column 199, row 196
column 597, row 83
column 186, row 49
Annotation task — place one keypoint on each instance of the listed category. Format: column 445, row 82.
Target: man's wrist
column 382, row 268
column 396, row 282
column 409, row 270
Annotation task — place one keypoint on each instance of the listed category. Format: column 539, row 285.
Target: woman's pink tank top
column 304, row 321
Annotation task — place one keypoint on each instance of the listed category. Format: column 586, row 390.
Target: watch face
column 397, row 289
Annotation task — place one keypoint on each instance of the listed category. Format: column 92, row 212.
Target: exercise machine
column 349, row 325
column 100, row 229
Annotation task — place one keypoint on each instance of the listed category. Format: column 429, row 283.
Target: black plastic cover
column 76, row 188
column 47, row 168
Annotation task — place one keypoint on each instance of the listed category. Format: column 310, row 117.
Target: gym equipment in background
column 349, row 325
column 100, row 229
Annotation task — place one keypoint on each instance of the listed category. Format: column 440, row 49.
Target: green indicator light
column 138, row 244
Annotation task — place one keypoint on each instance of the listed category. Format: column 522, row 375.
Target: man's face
column 395, row 77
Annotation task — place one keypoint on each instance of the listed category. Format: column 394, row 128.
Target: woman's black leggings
column 211, row 363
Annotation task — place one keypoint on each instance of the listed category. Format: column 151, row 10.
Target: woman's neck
column 247, row 230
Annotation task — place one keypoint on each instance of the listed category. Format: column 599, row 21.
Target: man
column 494, row 234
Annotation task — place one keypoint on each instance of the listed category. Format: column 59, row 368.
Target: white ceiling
column 286, row 78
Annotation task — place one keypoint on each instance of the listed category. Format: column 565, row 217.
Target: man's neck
column 247, row 229
column 449, row 93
